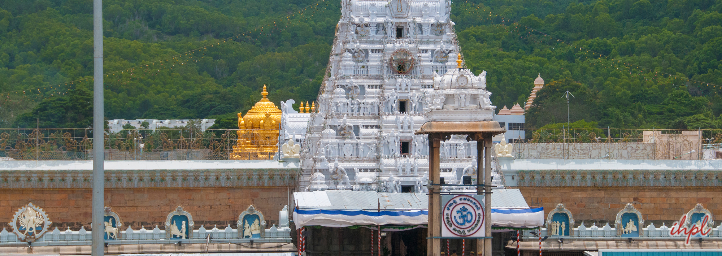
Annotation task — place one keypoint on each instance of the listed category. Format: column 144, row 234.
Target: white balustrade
column 650, row 231
column 271, row 234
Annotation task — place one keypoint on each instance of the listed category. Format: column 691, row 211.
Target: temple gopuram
column 258, row 131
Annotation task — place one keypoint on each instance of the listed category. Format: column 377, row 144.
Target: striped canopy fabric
column 336, row 208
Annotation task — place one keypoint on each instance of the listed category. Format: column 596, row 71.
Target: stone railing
column 611, row 143
column 149, row 236
column 627, row 150
column 616, row 178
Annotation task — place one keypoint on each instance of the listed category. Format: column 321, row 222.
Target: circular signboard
column 463, row 216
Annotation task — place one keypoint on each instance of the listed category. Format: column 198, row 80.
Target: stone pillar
column 480, row 180
column 487, row 195
column 434, row 227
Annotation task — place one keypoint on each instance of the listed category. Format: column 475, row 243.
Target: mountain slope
column 629, row 63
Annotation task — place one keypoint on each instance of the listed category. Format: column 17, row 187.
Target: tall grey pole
column 98, row 131
column 481, row 179
column 487, row 194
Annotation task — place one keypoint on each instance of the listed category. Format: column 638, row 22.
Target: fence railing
column 192, row 144
column 611, row 143
column 159, row 144
column 613, row 135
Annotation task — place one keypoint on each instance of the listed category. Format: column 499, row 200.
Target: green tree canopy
column 73, row 110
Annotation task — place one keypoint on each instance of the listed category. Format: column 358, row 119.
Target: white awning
column 338, row 208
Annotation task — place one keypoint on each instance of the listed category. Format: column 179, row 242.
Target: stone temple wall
column 143, row 193
column 601, row 204
column 148, row 206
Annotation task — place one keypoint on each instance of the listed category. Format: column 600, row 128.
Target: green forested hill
column 629, row 63
column 158, row 54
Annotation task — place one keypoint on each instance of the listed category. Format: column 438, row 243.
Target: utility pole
column 566, row 94
column 98, row 245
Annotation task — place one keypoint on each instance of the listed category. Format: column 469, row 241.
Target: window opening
column 516, row 126
column 405, row 147
column 402, row 106
column 467, row 180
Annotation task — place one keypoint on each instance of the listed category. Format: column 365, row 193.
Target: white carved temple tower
column 387, row 58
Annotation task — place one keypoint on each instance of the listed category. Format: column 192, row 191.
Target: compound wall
column 148, row 206
column 601, row 204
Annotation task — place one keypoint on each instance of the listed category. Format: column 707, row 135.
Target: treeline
column 627, row 63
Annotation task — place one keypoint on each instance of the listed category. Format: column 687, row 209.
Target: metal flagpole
column 98, row 245
column 518, row 252
column 447, row 247
column 372, row 242
column 303, row 239
column 379, row 226
column 379, row 245
column 540, row 247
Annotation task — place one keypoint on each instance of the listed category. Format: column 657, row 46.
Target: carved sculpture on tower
column 258, row 131
column 503, row 149
column 291, row 149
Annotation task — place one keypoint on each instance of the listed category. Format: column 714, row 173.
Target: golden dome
column 261, row 113
column 258, row 131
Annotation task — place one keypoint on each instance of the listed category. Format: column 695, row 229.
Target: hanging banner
column 462, row 216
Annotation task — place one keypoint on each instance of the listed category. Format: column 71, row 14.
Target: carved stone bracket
column 148, row 178
column 618, row 178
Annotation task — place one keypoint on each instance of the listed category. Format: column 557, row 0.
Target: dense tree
column 628, row 62
column 634, row 59
column 73, row 110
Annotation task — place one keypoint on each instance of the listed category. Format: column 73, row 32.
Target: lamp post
column 566, row 94
column 135, row 147
column 141, row 149
column 136, row 139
